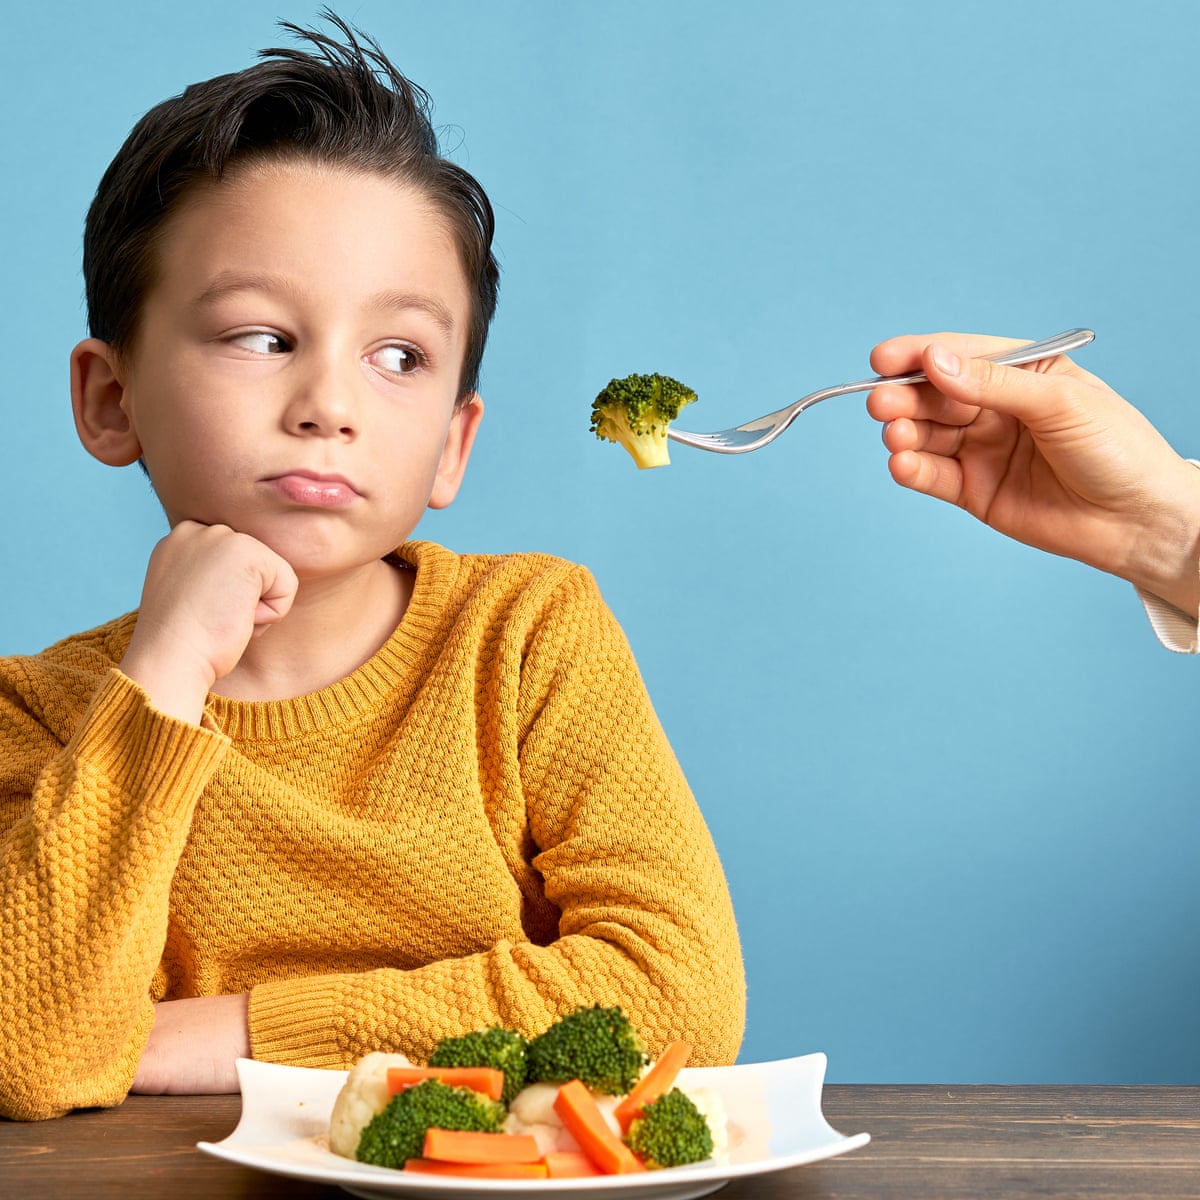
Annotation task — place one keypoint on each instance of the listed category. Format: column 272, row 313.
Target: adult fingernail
column 946, row 361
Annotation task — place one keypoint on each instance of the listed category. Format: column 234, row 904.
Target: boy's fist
column 208, row 591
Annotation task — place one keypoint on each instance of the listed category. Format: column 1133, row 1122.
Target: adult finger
column 921, row 402
column 900, row 355
column 927, row 436
column 930, row 474
column 1037, row 398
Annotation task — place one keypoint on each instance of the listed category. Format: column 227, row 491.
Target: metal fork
column 756, row 434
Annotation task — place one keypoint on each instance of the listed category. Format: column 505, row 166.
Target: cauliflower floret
column 712, row 1108
column 532, row 1112
column 534, row 1105
column 364, row 1094
column 549, row 1138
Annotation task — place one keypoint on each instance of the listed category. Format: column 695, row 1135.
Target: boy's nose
column 323, row 407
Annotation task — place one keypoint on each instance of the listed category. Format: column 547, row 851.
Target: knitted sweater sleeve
column 645, row 919
column 90, row 832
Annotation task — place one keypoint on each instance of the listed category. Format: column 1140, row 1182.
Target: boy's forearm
column 86, row 872
column 695, row 993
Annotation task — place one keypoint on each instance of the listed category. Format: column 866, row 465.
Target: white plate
column 774, row 1112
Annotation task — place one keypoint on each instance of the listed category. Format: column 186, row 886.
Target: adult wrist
column 1164, row 559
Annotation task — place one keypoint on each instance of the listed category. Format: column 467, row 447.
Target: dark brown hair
column 337, row 103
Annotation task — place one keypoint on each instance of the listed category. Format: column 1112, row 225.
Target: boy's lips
column 314, row 489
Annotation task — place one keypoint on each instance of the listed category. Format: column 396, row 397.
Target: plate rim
column 681, row 1181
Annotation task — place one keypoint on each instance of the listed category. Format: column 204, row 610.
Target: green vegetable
column 597, row 1045
column 496, row 1047
column 635, row 411
column 398, row 1132
column 671, row 1132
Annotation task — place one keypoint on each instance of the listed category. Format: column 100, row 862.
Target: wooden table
column 1136, row 1143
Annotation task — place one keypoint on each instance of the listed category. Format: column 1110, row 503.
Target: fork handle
column 1060, row 343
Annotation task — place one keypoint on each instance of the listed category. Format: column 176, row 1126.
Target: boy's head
column 333, row 104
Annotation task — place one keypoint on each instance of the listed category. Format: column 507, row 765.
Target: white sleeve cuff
column 1172, row 626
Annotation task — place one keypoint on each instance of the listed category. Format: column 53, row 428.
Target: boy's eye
column 399, row 360
column 260, row 342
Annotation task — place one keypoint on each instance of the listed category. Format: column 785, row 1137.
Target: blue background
column 950, row 778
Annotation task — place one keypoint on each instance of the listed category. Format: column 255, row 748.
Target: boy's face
column 295, row 371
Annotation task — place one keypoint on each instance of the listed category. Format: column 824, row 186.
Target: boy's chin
column 313, row 550
column 311, row 566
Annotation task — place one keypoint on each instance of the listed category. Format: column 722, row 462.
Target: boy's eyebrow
column 433, row 308
column 229, row 283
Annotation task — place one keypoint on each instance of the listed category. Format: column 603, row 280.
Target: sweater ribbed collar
column 395, row 668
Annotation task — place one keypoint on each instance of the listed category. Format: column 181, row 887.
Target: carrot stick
column 498, row 1170
column 487, row 1080
column 655, row 1083
column 585, row 1122
column 471, row 1146
column 569, row 1164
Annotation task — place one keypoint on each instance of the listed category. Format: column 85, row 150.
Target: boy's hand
column 1047, row 454
column 208, row 591
column 194, row 1046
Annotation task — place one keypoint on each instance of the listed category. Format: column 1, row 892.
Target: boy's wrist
column 194, row 1046
column 171, row 689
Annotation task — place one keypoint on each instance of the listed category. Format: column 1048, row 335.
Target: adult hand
column 1047, row 454
column 208, row 591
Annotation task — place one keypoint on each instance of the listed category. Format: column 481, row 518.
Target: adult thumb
column 1029, row 395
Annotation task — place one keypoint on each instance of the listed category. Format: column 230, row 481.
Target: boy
column 327, row 791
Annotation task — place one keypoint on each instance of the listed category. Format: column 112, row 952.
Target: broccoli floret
column 596, row 1045
column 398, row 1132
column 498, row 1048
column 635, row 411
column 670, row 1132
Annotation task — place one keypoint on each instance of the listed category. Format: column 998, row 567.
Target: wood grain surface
column 1138, row 1143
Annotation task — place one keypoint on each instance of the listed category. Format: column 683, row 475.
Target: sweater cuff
column 122, row 736
column 292, row 1021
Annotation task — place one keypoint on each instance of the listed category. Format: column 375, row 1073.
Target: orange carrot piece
column 497, row 1170
column 569, row 1164
column 487, row 1080
column 472, row 1146
column 585, row 1122
column 654, row 1084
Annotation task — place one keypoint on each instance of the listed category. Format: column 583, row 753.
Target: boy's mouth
column 314, row 490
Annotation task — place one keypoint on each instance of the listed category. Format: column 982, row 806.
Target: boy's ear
column 464, row 424
column 97, row 394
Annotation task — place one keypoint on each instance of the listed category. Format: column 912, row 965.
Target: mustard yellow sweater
column 483, row 824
